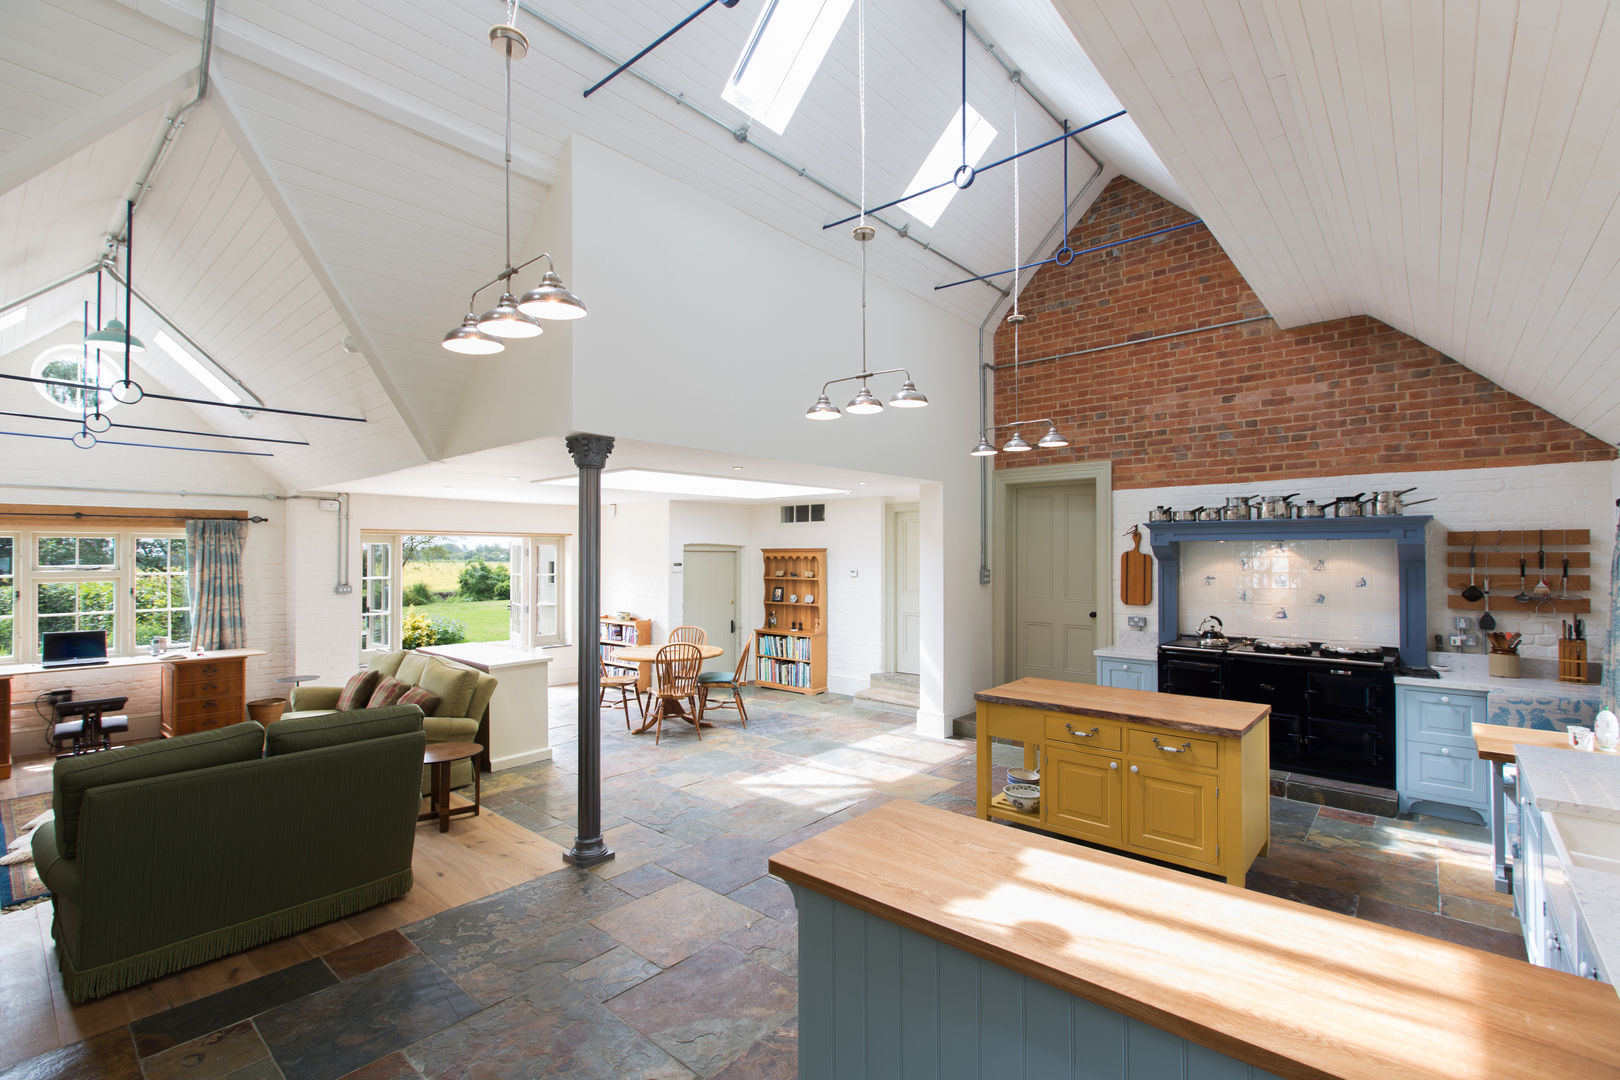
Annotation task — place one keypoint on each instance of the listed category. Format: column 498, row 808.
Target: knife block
column 1571, row 660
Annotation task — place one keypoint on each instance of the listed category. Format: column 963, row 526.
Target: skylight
column 721, row 487
column 783, row 53
column 943, row 160
column 194, row 368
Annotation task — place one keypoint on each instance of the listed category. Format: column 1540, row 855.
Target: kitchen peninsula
column 927, row 939
column 1181, row 779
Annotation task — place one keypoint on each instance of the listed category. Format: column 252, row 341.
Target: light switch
column 854, row 573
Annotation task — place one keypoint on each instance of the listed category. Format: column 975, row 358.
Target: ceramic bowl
column 1025, row 797
column 1023, row 776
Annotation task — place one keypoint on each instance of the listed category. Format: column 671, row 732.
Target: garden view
column 456, row 588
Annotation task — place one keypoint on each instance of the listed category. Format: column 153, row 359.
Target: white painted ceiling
column 342, row 182
column 1451, row 168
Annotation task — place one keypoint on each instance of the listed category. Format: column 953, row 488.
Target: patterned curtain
column 214, row 573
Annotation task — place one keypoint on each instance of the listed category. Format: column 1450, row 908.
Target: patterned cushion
column 389, row 692
column 358, row 690
column 421, row 699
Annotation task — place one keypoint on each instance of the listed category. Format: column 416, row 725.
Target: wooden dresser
column 201, row 693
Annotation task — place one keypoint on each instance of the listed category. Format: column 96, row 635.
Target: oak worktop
column 1207, row 716
column 1297, row 991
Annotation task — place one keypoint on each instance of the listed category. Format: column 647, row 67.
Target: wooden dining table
column 643, row 656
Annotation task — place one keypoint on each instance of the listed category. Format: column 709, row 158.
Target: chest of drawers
column 203, row 693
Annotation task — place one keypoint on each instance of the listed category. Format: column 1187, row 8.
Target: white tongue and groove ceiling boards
column 1450, row 168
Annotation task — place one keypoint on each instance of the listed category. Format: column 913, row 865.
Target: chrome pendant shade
column 908, row 397
column 864, row 403
column 1052, row 440
column 512, row 318
column 984, row 449
column 1016, row 445
column 113, row 339
column 823, row 409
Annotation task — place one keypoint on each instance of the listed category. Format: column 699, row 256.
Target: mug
column 160, row 645
column 1580, row 736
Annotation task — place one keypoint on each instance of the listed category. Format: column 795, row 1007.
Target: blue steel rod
column 964, row 89
column 665, row 36
column 150, row 446
column 165, row 430
column 196, row 401
column 1010, row 157
column 1072, row 253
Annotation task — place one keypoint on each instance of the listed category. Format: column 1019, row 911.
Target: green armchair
column 463, row 694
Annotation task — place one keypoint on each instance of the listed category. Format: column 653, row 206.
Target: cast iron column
column 590, row 453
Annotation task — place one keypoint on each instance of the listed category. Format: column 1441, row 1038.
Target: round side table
column 439, row 757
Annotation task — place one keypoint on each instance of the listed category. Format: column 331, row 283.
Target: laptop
column 73, row 648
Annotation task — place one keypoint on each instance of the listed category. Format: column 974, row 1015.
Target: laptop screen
column 69, row 645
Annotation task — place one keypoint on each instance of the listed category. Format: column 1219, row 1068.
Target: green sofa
column 172, row 853
column 463, row 693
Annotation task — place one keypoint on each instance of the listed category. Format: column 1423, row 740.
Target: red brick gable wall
column 1251, row 402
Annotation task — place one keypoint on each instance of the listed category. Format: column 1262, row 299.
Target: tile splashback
column 1313, row 590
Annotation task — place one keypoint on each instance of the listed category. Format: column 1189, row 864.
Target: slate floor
column 679, row 957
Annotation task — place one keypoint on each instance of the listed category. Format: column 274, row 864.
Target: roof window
column 783, row 54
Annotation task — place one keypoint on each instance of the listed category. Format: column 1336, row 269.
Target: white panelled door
column 1054, row 582
column 709, row 600
column 906, row 592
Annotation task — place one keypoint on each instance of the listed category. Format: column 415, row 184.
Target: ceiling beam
column 230, row 119
column 156, row 87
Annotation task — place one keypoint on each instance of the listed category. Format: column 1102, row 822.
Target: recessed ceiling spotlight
column 514, row 478
column 860, row 483
column 736, row 468
column 349, row 346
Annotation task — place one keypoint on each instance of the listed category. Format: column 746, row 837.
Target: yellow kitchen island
column 1181, row 779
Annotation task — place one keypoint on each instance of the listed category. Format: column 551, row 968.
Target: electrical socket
column 343, row 590
column 329, row 504
column 1136, row 622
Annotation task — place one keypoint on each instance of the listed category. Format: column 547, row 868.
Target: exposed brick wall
column 1247, row 402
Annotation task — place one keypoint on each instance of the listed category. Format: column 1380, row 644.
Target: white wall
column 1573, row 496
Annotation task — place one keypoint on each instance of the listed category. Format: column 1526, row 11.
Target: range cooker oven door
column 1280, row 684
column 1190, row 674
column 1354, row 750
column 1349, row 693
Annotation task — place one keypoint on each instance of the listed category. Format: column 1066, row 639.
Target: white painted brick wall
column 1573, row 496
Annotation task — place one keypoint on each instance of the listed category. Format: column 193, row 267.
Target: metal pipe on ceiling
column 52, row 287
column 112, row 272
column 740, row 134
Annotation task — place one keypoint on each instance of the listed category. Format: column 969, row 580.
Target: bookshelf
column 790, row 649
column 617, row 633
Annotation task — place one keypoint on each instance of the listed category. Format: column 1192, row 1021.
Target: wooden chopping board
column 1136, row 573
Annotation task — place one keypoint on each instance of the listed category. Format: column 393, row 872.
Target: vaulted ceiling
column 321, row 218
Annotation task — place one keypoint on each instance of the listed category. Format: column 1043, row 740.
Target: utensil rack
column 1497, row 554
column 1571, row 661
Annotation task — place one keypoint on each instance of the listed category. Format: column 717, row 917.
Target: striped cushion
column 389, row 692
column 421, row 698
column 358, row 690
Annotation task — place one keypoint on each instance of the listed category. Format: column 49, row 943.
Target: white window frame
column 136, row 573
column 8, row 583
column 28, row 575
column 393, row 612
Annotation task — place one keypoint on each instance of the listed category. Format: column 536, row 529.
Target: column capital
column 589, row 451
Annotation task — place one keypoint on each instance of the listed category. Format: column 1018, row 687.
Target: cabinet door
column 1171, row 810
column 1082, row 794
column 1445, row 773
column 1127, row 675
column 1440, row 717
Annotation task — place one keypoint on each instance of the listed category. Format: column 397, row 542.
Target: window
column 75, row 585
column 783, row 53
column 67, row 363
column 376, row 596
column 804, row 514
column 162, row 600
column 942, row 162
column 8, row 597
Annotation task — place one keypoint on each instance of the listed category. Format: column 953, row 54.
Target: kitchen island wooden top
column 1495, row 742
column 1207, row 716
column 1297, row 991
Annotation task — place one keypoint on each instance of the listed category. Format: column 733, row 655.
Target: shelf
column 791, row 603
column 1001, row 808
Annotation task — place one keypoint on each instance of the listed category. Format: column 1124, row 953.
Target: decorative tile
column 163, row 1030
column 355, row 1022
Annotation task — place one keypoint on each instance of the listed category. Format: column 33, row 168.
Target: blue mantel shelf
column 1406, row 530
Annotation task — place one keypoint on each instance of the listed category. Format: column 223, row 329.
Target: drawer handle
column 1092, row 734
column 1113, row 764
column 210, row 669
column 210, row 686
column 1446, row 750
column 1182, row 749
column 1445, row 700
column 1133, row 768
column 210, row 704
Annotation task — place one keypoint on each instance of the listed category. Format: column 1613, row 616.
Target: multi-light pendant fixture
column 1016, row 443
column 865, row 402
column 512, row 317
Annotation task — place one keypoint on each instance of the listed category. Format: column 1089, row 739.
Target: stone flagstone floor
column 679, row 957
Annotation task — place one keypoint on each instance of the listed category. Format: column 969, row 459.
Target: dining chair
column 675, row 679
column 623, row 684
column 689, row 635
column 718, row 680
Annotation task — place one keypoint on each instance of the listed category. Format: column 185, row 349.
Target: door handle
column 733, row 626
column 1093, row 614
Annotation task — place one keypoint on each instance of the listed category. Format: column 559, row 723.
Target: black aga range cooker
column 1332, row 705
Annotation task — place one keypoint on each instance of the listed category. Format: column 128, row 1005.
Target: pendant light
column 512, row 318
column 114, row 339
column 1017, row 444
column 865, row 402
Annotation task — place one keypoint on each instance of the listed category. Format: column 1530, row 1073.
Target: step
column 888, row 695
column 896, row 680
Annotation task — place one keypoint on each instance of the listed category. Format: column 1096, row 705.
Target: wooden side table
column 439, row 757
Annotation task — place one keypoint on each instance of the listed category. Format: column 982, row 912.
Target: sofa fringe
column 97, row 982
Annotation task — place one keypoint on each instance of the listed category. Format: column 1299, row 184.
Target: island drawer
column 1085, row 732
column 1175, row 747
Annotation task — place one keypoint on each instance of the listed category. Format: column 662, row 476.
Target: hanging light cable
column 864, row 401
column 511, row 317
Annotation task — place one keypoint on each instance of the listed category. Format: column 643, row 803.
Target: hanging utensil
column 1542, row 590
column 1563, row 581
column 1523, row 597
column 1472, row 593
column 1487, row 621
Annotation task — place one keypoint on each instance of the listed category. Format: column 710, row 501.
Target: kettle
column 1212, row 635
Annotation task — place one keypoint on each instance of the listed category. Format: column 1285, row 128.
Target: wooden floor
column 478, row 856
